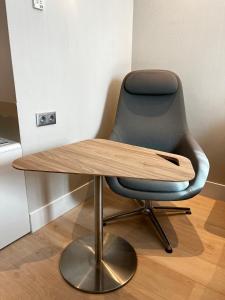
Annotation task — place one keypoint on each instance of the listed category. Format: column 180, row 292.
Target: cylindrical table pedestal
column 98, row 264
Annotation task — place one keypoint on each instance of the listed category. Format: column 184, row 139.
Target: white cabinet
column 14, row 217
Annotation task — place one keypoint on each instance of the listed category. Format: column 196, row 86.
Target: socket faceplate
column 38, row 4
column 44, row 119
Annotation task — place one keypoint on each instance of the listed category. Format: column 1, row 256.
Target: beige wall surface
column 7, row 91
column 188, row 37
column 69, row 58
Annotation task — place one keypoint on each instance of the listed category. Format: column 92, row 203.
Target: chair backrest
column 151, row 110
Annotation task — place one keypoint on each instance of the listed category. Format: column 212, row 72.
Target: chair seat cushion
column 153, row 185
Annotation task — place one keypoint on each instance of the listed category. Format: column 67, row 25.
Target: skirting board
column 214, row 190
column 60, row 206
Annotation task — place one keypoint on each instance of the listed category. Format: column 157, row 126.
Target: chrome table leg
column 99, row 263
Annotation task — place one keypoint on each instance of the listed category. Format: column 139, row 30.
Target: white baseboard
column 214, row 190
column 60, row 206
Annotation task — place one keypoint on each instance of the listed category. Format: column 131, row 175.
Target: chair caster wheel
column 169, row 250
column 188, row 212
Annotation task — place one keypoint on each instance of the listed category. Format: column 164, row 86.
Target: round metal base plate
column 78, row 267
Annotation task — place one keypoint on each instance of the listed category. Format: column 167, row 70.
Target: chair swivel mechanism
column 151, row 114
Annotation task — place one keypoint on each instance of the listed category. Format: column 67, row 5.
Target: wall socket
column 38, row 4
column 44, row 119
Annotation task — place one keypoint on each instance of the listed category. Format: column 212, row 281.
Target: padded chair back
column 151, row 110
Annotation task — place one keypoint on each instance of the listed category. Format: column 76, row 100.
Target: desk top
column 109, row 158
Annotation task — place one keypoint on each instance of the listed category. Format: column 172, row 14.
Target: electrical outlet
column 38, row 4
column 44, row 119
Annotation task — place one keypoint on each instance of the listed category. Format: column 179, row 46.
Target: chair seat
column 153, row 186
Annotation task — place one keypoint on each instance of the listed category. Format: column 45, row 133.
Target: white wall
column 188, row 37
column 7, row 91
column 70, row 58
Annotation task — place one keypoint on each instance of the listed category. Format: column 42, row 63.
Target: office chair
column 151, row 114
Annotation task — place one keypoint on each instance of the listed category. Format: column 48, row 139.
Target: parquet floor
column 195, row 270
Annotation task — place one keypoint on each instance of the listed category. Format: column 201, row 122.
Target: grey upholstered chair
column 151, row 114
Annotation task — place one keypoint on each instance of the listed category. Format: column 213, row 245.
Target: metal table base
column 98, row 264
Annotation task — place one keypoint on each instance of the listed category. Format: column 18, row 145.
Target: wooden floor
column 195, row 270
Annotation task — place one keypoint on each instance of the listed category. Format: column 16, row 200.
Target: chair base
column 149, row 210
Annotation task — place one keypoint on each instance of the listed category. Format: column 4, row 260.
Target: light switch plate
column 38, row 4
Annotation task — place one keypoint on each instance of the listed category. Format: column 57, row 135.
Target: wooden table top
column 109, row 158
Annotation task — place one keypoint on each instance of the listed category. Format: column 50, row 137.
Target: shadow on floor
column 139, row 231
column 216, row 220
column 217, row 280
column 29, row 249
column 52, row 239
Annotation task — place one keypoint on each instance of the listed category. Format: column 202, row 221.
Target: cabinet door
column 14, row 217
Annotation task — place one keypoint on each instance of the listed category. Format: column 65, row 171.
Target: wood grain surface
column 194, row 271
column 109, row 158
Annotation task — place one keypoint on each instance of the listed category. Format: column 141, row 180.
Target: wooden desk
column 85, row 264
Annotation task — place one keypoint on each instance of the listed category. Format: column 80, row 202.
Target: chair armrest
column 192, row 150
column 189, row 148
